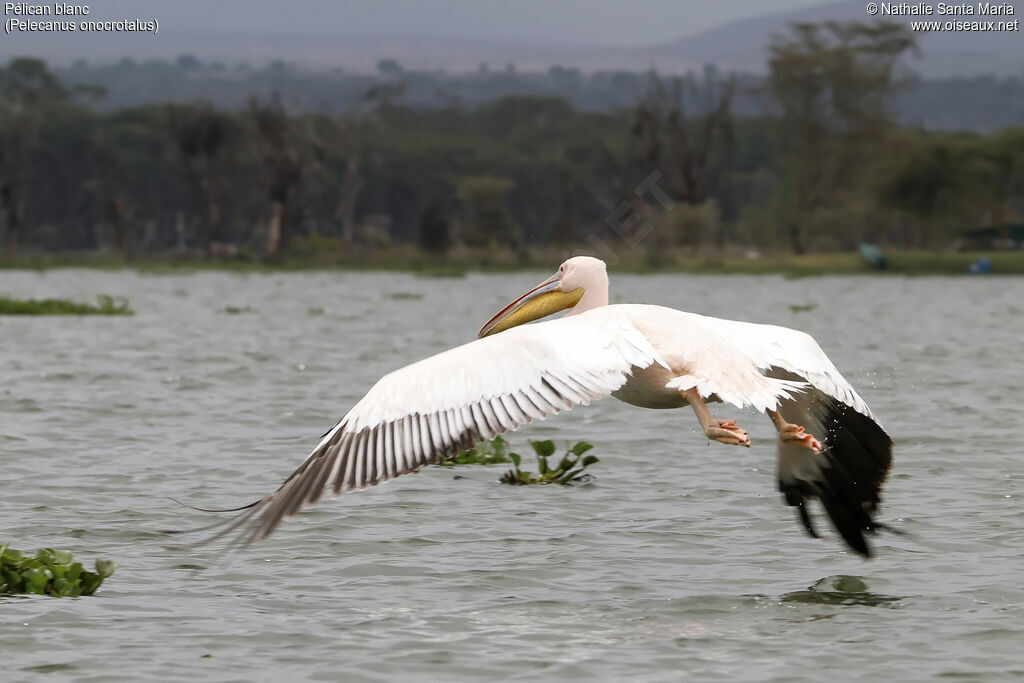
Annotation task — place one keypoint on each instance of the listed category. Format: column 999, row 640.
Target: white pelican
column 830, row 445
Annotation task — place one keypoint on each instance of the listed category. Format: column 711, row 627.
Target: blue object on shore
column 872, row 255
column 982, row 266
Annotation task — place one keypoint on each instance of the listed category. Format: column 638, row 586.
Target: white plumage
column 771, row 346
column 649, row 356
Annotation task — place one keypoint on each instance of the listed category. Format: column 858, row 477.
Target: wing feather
column 481, row 423
column 773, row 348
column 424, row 447
column 526, row 406
column 406, row 450
column 447, row 402
column 514, row 411
column 552, row 395
column 434, row 429
column 348, row 482
column 389, row 451
column 472, row 426
column 536, row 395
column 360, row 456
column 848, row 474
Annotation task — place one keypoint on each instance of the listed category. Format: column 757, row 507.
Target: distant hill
column 742, row 45
column 323, row 35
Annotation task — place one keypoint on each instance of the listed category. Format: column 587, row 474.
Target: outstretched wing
column 448, row 402
column 848, row 474
column 780, row 350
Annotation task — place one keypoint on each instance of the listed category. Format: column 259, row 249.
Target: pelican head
column 581, row 283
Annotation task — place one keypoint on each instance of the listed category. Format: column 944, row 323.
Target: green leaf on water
column 580, row 447
column 544, row 448
column 36, row 580
column 60, row 556
column 105, row 567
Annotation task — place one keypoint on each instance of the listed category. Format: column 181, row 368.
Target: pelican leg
column 794, row 435
column 723, row 431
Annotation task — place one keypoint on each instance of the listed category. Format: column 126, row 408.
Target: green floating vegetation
column 568, row 471
column 802, row 308
column 237, row 310
column 403, row 296
column 105, row 305
column 497, row 451
column 840, row 590
column 49, row 572
column 493, row 452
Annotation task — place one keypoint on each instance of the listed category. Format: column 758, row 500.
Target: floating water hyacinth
column 496, row 451
column 49, row 572
column 568, row 471
column 105, row 305
column 493, row 452
column 237, row 310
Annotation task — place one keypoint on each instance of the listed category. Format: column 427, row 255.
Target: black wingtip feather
column 854, row 464
column 806, row 519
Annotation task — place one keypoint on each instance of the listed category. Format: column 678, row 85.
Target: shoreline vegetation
column 680, row 178
column 460, row 262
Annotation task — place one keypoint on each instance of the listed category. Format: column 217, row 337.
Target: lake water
column 678, row 561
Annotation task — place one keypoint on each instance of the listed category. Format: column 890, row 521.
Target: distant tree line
column 828, row 168
column 981, row 103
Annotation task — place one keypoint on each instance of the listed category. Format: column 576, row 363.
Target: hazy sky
column 570, row 22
